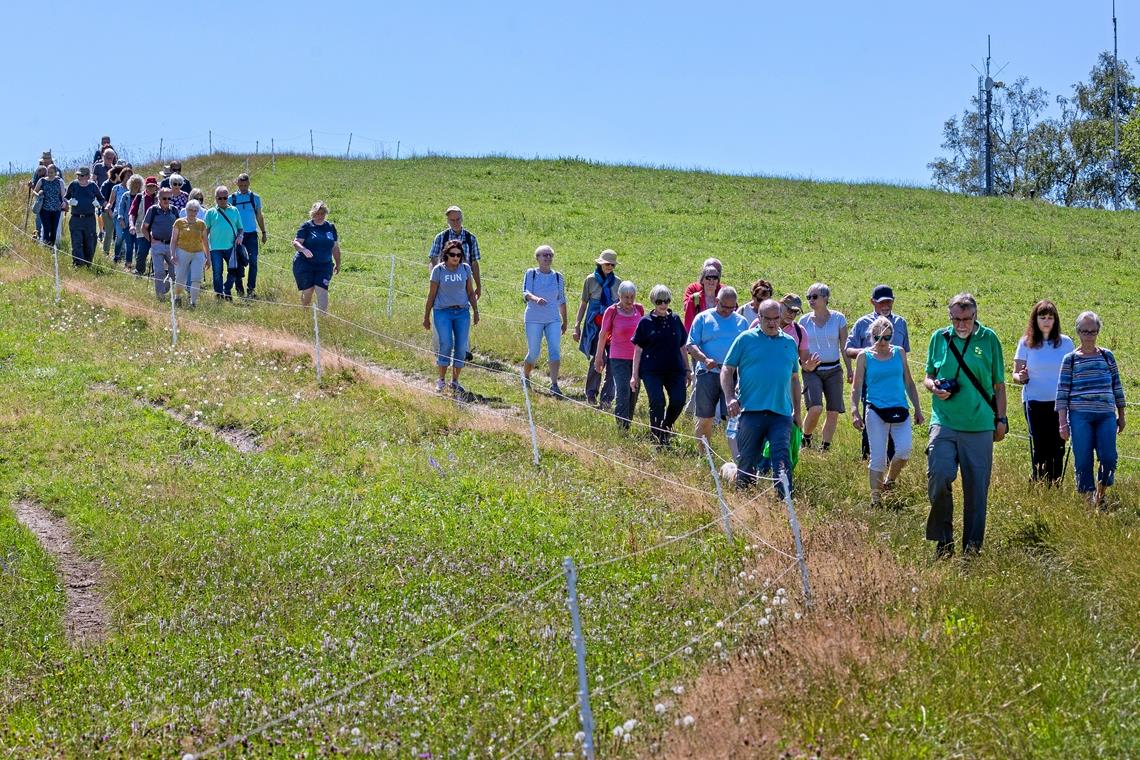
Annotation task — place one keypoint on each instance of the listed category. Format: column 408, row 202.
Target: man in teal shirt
column 968, row 416
column 223, row 225
column 767, row 362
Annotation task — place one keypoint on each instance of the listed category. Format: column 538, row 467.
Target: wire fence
column 797, row 559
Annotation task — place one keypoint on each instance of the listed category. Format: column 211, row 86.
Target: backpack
column 464, row 239
column 254, row 201
column 530, row 273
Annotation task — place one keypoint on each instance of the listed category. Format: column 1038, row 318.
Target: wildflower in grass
column 763, row 622
column 629, row 725
column 688, row 721
column 678, row 689
column 618, row 731
column 659, row 708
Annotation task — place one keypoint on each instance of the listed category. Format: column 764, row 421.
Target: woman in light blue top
column 544, row 292
column 885, row 371
column 452, row 306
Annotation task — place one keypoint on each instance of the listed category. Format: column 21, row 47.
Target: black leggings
column 1046, row 446
column 662, row 417
column 49, row 220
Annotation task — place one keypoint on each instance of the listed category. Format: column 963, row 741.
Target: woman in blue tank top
column 884, row 369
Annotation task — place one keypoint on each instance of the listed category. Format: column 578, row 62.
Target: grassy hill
column 242, row 586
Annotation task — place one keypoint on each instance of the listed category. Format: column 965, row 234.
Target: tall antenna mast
column 989, row 137
column 1115, row 117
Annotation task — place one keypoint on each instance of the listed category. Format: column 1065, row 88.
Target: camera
column 948, row 384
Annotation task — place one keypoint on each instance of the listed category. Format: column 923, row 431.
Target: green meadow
column 377, row 520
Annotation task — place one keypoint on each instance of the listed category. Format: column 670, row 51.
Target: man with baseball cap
column 882, row 305
column 175, row 167
column 85, row 203
column 456, row 231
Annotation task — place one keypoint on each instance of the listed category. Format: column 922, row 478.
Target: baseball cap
column 83, row 171
column 882, row 293
column 792, row 301
column 453, row 208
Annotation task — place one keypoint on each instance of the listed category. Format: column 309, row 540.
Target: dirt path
column 86, row 620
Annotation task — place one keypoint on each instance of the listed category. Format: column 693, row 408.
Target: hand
column 336, row 268
column 1120, row 424
column 710, row 362
column 688, row 379
column 132, row 230
column 857, row 421
column 1064, row 432
column 1022, row 376
column 563, row 328
column 633, row 382
column 850, row 377
column 811, row 362
column 577, row 333
column 1000, row 429
column 540, row 301
column 733, row 408
column 919, row 417
column 306, row 253
column 427, row 323
column 264, row 237
column 475, row 317
column 940, row 393
column 479, row 292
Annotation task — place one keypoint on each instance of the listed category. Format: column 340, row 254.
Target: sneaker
column 251, row 296
column 887, row 485
column 592, row 400
column 806, row 443
column 555, row 390
column 458, row 390
column 971, row 550
column 825, row 446
column 439, row 386
column 943, row 550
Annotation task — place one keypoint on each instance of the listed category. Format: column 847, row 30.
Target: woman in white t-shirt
column 1036, row 365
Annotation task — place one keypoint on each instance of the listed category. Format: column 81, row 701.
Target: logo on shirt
column 977, row 350
column 329, row 235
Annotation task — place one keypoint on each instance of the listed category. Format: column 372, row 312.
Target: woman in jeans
column 827, row 335
column 659, row 360
column 49, row 189
column 599, row 292
column 189, row 244
column 452, row 306
column 1090, row 408
column 1036, row 366
column 123, row 220
column 544, row 292
column 885, row 371
column 619, row 323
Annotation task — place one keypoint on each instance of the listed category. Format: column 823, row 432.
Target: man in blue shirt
column 710, row 337
column 455, row 231
column 248, row 205
column 767, row 362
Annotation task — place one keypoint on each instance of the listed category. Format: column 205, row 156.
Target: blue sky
column 823, row 90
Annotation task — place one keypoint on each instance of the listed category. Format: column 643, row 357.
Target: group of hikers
column 755, row 366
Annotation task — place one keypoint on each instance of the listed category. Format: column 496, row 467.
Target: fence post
column 55, row 262
column 312, row 150
column 273, row 153
column 584, row 712
column 256, row 147
column 796, row 535
column 173, row 315
column 317, row 338
column 530, row 415
column 348, row 153
column 211, row 142
column 160, row 150
column 719, row 492
column 391, row 285
column 397, row 150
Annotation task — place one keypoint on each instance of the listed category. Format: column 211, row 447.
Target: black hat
column 882, row 293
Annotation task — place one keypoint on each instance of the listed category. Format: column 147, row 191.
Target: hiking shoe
column 178, row 301
column 458, row 389
column 439, row 386
column 943, row 550
column 555, row 390
column 805, row 443
column 825, row 446
column 887, row 485
column 592, row 400
column 971, row 550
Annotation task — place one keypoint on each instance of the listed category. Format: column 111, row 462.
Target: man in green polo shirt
column 968, row 416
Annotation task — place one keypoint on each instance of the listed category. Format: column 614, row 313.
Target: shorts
column 309, row 273
column 824, row 383
column 707, row 395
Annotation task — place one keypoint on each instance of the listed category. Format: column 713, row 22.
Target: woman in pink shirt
column 619, row 322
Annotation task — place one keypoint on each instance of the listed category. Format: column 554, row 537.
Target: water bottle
column 730, row 429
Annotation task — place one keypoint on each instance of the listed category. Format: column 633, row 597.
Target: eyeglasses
column 1094, row 331
column 962, row 320
column 454, row 254
column 813, row 296
column 712, row 276
column 164, row 197
column 883, row 338
column 770, row 319
column 546, row 255
column 220, row 197
column 663, row 301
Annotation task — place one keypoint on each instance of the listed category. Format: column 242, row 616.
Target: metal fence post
column 719, row 492
column 584, row 712
column 348, row 153
column 273, row 153
column 317, row 340
column 211, row 142
column 530, row 415
column 391, row 285
column 55, row 263
column 173, row 315
column 796, row 536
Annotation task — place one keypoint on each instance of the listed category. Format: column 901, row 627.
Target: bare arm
column 336, row 257
column 562, row 312
column 728, row 385
column 912, row 390
column 478, row 291
column 473, row 298
column 1020, row 372
column 857, row 390
column 797, row 398
column 846, row 356
column 433, row 288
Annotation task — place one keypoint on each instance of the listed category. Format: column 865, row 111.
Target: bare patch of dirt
column 239, row 439
column 86, row 619
column 739, row 707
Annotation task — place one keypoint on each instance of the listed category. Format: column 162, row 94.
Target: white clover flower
column 799, row 615
column 580, row 737
column 659, row 708
column 914, row 589
column 781, row 591
column 678, row 689
column 764, row 598
column 688, row 623
column 618, row 731
column 355, row 731
column 688, row 650
column 629, row 725
column 688, row 721
column 763, row 621
column 717, row 645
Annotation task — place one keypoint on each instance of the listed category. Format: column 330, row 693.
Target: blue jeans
column 756, row 429
column 125, row 244
column 1089, row 432
column 233, row 274
column 142, row 248
column 453, row 326
column 534, row 333
column 250, row 241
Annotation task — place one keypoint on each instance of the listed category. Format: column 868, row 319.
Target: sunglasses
column 814, row 296
column 883, row 338
column 712, row 276
column 454, row 254
column 663, row 301
column 220, row 197
column 1089, row 332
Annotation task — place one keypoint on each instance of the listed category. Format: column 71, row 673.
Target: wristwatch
column 1002, row 420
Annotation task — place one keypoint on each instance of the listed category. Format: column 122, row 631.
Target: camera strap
column 969, row 373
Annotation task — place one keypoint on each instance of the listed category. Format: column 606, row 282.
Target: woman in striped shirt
column 1090, row 408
